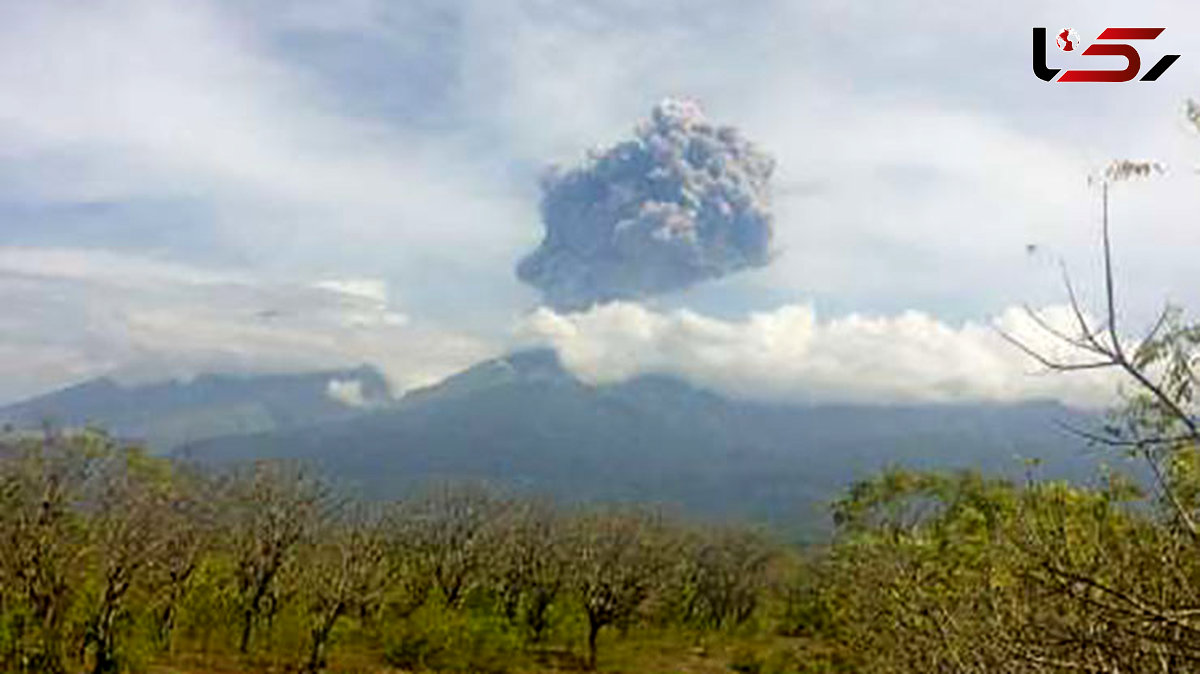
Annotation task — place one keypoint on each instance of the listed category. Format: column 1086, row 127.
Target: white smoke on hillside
column 348, row 392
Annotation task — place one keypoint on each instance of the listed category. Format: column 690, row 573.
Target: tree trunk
column 166, row 624
column 593, row 632
column 320, row 636
column 104, row 638
column 535, row 616
column 49, row 655
column 247, row 624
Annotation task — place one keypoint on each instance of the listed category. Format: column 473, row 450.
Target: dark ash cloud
column 682, row 202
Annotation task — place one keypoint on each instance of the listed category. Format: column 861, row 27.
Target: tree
column 1136, row 590
column 128, row 529
column 190, row 524
column 347, row 569
column 273, row 508
column 908, row 583
column 724, row 574
column 526, row 563
column 616, row 561
column 42, row 540
column 446, row 531
column 1159, row 419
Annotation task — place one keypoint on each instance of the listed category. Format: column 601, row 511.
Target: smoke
column 682, row 202
column 348, row 392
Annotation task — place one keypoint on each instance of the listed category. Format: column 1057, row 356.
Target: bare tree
column 42, row 539
column 273, row 509
column 1137, row 590
column 347, row 568
column 616, row 562
column 445, row 530
column 725, row 573
column 526, row 563
column 126, row 512
column 1159, row 420
column 189, row 521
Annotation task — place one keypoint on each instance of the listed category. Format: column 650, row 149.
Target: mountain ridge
column 523, row 421
column 168, row 413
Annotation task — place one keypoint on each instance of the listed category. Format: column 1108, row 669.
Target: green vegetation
column 113, row 560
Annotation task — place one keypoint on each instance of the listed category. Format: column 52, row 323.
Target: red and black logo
column 1068, row 41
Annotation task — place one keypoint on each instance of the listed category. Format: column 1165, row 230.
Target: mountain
column 166, row 415
column 524, row 421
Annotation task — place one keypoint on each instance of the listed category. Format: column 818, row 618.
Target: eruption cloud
column 682, row 202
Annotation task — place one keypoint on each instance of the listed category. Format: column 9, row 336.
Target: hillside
column 166, row 415
column 523, row 421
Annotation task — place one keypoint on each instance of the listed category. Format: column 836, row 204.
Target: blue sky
column 365, row 172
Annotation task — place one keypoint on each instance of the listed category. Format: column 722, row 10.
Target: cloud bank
column 790, row 355
column 75, row 314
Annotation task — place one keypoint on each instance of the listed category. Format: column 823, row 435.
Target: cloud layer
column 76, row 314
column 791, row 355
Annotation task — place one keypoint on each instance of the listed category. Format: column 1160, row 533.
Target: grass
column 640, row 652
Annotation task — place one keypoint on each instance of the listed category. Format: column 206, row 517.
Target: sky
column 253, row 185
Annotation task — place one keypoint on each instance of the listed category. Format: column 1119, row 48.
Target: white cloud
column 366, row 301
column 83, row 313
column 348, row 392
column 169, row 99
column 373, row 290
column 790, row 355
column 107, row 267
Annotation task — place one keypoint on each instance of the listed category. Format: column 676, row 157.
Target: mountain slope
column 523, row 421
column 168, row 414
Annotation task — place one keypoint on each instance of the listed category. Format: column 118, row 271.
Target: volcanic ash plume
column 681, row 202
